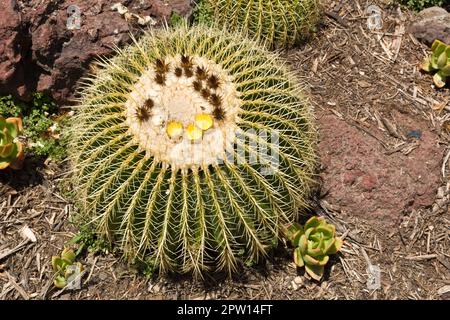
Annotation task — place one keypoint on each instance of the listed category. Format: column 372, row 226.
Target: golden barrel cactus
column 281, row 23
column 166, row 146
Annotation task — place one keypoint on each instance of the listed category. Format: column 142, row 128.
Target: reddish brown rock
column 59, row 57
column 13, row 50
column 363, row 180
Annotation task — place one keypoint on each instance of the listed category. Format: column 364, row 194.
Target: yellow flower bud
column 193, row 133
column 174, row 129
column 204, row 121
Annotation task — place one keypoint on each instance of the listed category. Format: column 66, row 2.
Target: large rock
column 59, row 57
column 430, row 24
column 14, row 45
column 360, row 178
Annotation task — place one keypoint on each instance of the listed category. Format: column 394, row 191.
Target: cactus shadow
column 334, row 259
column 277, row 259
column 29, row 175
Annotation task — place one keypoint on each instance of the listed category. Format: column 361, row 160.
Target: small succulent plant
column 64, row 267
column 438, row 62
column 11, row 150
column 313, row 243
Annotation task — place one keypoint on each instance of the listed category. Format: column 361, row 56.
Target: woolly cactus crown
column 158, row 168
column 278, row 22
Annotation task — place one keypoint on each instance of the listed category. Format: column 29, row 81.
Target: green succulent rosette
column 438, row 62
column 11, row 150
column 313, row 243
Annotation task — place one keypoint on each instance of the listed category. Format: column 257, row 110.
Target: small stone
column 435, row 208
column 440, row 203
column 440, row 193
column 154, row 288
column 431, row 24
column 298, row 280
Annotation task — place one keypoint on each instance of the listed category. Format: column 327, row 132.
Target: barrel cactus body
column 278, row 22
column 166, row 146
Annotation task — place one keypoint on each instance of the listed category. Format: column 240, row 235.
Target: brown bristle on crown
column 161, row 66
column 197, row 85
column 201, row 73
column 143, row 112
column 219, row 113
column 149, row 104
column 213, row 82
column 205, row 93
column 178, row 72
column 186, row 61
column 160, row 79
column 188, row 72
column 215, row 100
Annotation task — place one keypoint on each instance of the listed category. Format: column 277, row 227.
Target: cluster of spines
column 161, row 68
column 144, row 112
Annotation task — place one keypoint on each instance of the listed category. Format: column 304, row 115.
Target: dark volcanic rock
column 14, row 46
column 430, row 24
column 39, row 53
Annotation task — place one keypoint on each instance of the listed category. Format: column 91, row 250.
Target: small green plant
column 41, row 129
column 313, row 243
column 87, row 240
column 64, row 267
column 203, row 13
column 278, row 23
column 11, row 150
column 438, row 62
column 10, row 107
column 421, row 4
column 176, row 19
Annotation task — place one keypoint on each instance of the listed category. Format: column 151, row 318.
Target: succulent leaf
column 292, row 232
column 298, row 257
column 445, row 71
column 303, row 244
column 426, row 65
column 312, row 222
column 309, row 260
column 326, row 231
column 60, row 282
column 328, row 245
column 336, row 247
column 435, row 44
column 11, row 151
column 439, row 79
column 68, row 255
column 439, row 62
column 323, row 260
column 315, row 271
column 442, row 60
column 58, row 264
